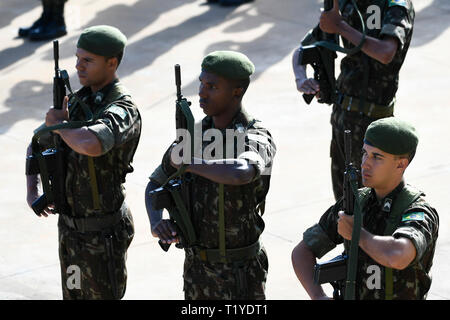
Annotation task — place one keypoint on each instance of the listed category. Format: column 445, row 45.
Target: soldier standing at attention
column 96, row 227
column 391, row 264
column 227, row 261
column 369, row 78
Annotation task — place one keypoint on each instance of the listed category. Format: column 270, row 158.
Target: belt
column 231, row 255
column 370, row 109
column 93, row 224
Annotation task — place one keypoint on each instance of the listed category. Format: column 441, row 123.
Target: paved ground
column 162, row 33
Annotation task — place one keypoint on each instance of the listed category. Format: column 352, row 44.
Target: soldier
column 369, row 79
column 228, row 260
column 96, row 228
column 50, row 25
column 390, row 265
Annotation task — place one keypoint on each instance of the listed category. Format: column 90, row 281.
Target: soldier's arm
column 32, row 189
column 382, row 50
column 303, row 83
column 395, row 253
column 80, row 140
column 235, row 172
column 387, row 250
column 303, row 261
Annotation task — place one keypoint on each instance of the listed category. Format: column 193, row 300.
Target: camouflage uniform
column 117, row 124
column 397, row 19
column 243, row 225
column 419, row 223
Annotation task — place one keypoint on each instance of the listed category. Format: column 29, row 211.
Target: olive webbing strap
column 94, row 186
column 350, row 285
column 403, row 200
column 182, row 217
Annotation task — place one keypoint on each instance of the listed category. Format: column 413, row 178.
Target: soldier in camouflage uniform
column 370, row 75
column 96, row 228
column 407, row 251
column 245, row 180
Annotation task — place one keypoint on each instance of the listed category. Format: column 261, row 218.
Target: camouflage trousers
column 342, row 120
column 225, row 281
column 93, row 263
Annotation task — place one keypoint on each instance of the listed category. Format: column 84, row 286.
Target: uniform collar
column 386, row 202
column 240, row 118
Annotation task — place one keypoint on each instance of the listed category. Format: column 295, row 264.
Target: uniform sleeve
column 420, row 225
column 259, row 150
column 323, row 236
column 397, row 23
column 117, row 124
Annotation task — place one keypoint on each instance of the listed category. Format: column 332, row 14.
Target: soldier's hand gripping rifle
column 322, row 61
column 338, row 271
column 175, row 194
column 321, row 55
column 50, row 163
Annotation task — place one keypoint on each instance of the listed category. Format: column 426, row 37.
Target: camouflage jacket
column 243, row 224
column 396, row 20
column 117, row 124
column 419, row 223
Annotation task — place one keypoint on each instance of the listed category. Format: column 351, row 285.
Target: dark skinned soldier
column 244, row 177
column 96, row 228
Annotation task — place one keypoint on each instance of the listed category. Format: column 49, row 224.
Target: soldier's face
column 379, row 169
column 216, row 93
column 93, row 70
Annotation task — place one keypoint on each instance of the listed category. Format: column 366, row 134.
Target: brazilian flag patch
column 413, row 216
column 401, row 3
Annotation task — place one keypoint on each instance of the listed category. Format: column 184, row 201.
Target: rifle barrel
column 178, row 80
column 348, row 146
column 56, row 55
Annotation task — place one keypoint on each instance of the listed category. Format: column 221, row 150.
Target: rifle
column 321, row 55
column 50, row 163
column 322, row 61
column 336, row 271
column 175, row 194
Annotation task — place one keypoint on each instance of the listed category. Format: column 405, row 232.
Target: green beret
column 392, row 135
column 102, row 40
column 228, row 64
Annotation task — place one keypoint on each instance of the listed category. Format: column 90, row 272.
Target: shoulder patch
column 118, row 111
column 401, row 3
column 413, row 216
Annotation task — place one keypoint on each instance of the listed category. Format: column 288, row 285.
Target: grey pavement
column 162, row 33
